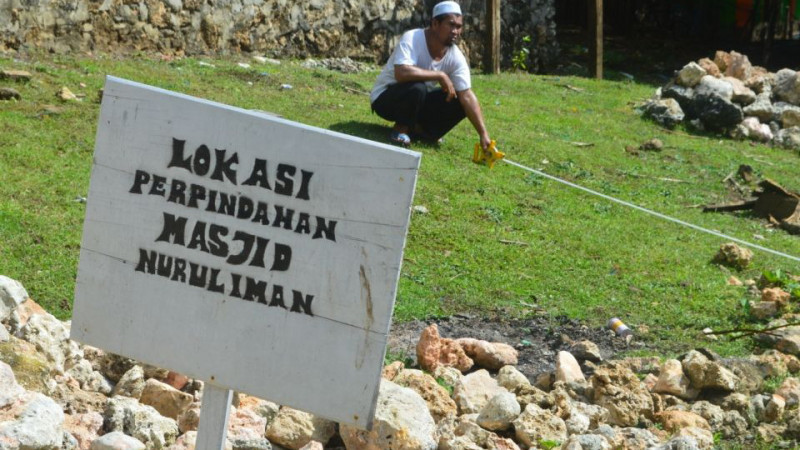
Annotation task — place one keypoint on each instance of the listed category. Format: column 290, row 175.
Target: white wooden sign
column 248, row 251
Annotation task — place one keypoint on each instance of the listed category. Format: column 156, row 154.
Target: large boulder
column 536, row 424
column 143, row 422
column 474, row 391
column 787, row 86
column 619, row 390
column 438, row 399
column 489, row 355
column 401, row 421
column 666, row 112
column 34, row 422
column 293, row 429
column 717, row 113
column 433, row 351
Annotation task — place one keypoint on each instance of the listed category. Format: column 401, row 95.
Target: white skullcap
column 446, row 8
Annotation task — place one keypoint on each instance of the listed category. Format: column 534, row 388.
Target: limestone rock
column 12, row 294
column 734, row 256
column 531, row 394
column 709, row 66
column 246, row 430
column 190, row 418
column 33, row 421
column 722, row 60
column 499, row 412
column 511, row 378
column 10, row 390
column 788, row 138
column 66, row 95
column 707, row 374
column 167, row 400
column 764, row 310
column 666, row 112
column 637, row 438
column 489, row 355
column 568, row 369
column 433, row 350
column 51, row 337
column 401, row 421
column 776, row 295
column 787, row 86
column 675, row 420
column 691, row 74
column 703, row 437
column 790, row 391
column 739, row 66
column 761, row 108
column 264, row 408
column 774, row 409
column 437, row 398
column 750, row 128
column 293, row 429
column 131, row 384
column 714, row 87
column 86, row 427
column 741, row 94
column 15, row 75
column 474, row 391
column 672, row 380
column 391, row 370
column 586, row 442
column 587, row 350
column 117, row 440
column 619, row 391
column 536, row 424
column 140, row 421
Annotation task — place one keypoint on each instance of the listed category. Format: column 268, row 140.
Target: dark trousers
column 411, row 104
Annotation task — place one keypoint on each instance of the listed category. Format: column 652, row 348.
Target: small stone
column 419, row 209
column 776, row 295
column 66, row 95
column 586, row 351
column 16, row 75
column 733, row 281
column 9, row 94
column 116, row 440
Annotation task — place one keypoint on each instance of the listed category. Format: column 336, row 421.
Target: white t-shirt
column 413, row 50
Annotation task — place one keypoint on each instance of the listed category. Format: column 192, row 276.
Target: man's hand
column 485, row 141
column 447, row 86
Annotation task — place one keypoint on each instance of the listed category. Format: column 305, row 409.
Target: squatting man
column 406, row 91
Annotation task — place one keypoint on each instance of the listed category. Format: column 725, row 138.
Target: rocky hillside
column 460, row 393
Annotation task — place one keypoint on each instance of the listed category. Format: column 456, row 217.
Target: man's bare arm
column 406, row 73
column 473, row 111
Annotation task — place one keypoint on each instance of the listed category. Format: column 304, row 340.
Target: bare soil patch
column 537, row 339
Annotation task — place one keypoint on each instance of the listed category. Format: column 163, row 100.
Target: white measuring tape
column 651, row 212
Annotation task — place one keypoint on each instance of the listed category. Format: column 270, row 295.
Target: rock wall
column 360, row 29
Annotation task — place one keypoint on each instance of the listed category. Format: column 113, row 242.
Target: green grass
column 494, row 241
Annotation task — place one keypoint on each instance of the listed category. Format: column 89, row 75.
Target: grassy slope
column 569, row 253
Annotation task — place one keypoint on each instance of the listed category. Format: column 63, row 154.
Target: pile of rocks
column 466, row 394
column 731, row 95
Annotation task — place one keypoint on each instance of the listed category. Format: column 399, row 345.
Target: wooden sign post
column 244, row 250
column 492, row 37
column 595, row 37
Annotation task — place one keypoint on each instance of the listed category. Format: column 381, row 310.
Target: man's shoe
column 400, row 138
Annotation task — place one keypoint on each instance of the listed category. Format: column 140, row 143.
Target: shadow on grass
column 366, row 130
